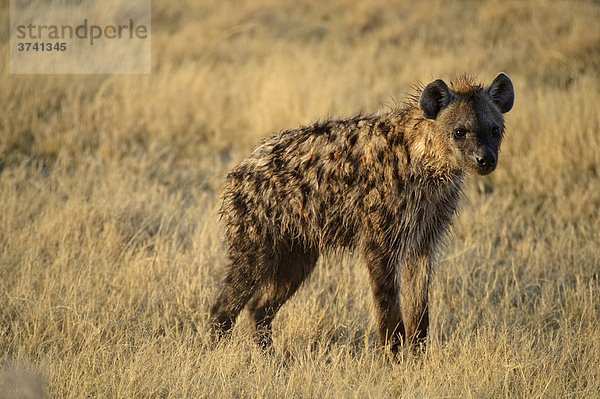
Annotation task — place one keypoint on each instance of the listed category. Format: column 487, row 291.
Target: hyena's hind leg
column 246, row 273
column 293, row 267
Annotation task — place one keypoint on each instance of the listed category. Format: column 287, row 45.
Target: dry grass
column 110, row 251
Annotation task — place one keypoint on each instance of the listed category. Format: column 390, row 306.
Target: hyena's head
column 468, row 118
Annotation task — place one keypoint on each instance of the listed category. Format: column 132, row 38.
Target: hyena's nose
column 486, row 161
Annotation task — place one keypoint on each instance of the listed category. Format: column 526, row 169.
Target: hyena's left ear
column 435, row 97
column 501, row 92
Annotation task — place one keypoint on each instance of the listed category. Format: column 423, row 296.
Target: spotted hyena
column 387, row 185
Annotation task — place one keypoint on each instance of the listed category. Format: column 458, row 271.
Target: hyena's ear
column 502, row 93
column 435, row 97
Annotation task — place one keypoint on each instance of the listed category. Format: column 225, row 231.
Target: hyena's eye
column 460, row 132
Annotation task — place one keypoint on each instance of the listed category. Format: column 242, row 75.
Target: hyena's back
column 315, row 185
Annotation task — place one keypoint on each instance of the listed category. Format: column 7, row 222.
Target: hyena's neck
column 432, row 183
column 426, row 157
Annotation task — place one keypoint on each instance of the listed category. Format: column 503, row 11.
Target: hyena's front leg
column 385, row 296
column 414, row 278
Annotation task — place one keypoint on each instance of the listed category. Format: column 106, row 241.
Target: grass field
column 111, row 251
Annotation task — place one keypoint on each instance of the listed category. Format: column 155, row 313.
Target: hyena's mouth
column 483, row 170
column 486, row 170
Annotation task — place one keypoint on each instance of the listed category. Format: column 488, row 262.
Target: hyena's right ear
column 502, row 93
column 435, row 97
